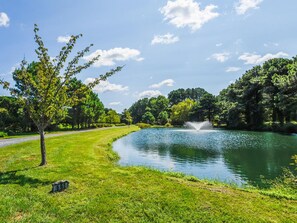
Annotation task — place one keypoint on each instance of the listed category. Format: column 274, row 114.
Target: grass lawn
column 102, row 191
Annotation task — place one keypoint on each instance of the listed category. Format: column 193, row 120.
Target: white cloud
column 105, row 86
column 271, row 44
column 244, row 5
column 4, row 19
column 254, row 59
column 221, row 57
column 109, row 57
column 165, row 39
column 167, row 82
column 115, row 103
column 149, row 94
column 182, row 13
column 63, row 39
column 219, row 44
column 233, row 69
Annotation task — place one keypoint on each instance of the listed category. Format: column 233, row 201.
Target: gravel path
column 7, row 142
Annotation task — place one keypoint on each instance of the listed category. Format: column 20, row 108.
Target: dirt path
column 7, row 142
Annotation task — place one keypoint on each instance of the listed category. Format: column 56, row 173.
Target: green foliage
column 158, row 110
column 148, row 118
column 143, row 125
column 168, row 125
column 138, row 109
column 263, row 94
column 126, row 117
column 180, row 95
column 112, row 117
column 180, row 112
column 3, row 134
column 13, row 117
column 163, row 118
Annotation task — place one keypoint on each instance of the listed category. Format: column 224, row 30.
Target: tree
column 180, row 112
column 158, row 105
column 181, row 94
column 163, row 117
column 126, row 117
column 138, row 109
column 112, row 117
column 148, row 118
column 42, row 87
column 207, row 103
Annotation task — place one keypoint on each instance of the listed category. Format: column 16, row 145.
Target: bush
column 143, row 125
column 120, row 124
column 168, row 125
column 3, row 134
column 102, row 125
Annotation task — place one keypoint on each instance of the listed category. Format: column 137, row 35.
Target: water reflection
column 232, row 156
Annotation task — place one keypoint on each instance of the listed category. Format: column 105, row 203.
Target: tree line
column 264, row 98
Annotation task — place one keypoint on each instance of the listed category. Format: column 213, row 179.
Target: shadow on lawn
column 11, row 177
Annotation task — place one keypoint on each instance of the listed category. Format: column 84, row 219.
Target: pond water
column 229, row 156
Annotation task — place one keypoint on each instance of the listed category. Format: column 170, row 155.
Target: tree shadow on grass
column 11, row 177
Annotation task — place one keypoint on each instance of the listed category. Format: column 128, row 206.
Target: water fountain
column 206, row 125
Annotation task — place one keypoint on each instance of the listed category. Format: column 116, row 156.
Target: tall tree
column 126, row 117
column 44, row 91
column 138, row 109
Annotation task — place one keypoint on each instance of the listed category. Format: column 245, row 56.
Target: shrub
column 120, row 124
column 168, row 125
column 143, row 125
column 3, row 134
column 101, row 125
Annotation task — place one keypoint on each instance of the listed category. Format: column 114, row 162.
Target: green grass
column 102, row 191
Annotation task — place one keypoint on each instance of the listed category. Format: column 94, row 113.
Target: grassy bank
column 102, row 191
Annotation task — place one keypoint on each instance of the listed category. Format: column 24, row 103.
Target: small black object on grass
column 60, row 186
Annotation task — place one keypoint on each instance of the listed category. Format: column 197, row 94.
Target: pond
column 230, row 156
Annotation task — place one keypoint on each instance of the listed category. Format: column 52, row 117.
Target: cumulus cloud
column 115, row 103
column 221, row 57
column 63, row 39
column 254, row 59
column 164, row 39
column 4, row 19
column 167, row 82
column 233, row 69
column 244, row 5
column 109, row 57
column 149, row 94
column 105, row 86
column 182, row 13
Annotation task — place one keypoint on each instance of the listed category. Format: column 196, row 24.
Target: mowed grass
column 102, row 191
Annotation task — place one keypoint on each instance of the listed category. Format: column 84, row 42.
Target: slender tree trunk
column 42, row 147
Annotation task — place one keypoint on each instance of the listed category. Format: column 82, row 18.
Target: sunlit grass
column 102, row 191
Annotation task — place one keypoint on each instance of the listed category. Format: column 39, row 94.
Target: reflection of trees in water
column 180, row 153
column 179, row 147
column 194, row 155
column 253, row 163
column 247, row 154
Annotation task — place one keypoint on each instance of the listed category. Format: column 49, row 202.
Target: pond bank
column 102, row 191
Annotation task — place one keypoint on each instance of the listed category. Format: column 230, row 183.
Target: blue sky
column 164, row 45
